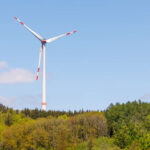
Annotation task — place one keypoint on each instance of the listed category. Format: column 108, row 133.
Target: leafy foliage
column 129, row 122
column 122, row 125
column 102, row 143
column 54, row 133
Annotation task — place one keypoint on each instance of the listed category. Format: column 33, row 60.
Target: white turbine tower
column 42, row 50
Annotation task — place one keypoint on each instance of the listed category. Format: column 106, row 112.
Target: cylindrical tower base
column 44, row 106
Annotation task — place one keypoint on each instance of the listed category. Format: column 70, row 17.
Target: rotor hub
column 43, row 41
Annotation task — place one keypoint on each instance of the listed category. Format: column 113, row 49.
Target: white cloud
column 6, row 101
column 3, row 65
column 17, row 75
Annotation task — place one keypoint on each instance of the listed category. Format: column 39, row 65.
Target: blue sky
column 106, row 61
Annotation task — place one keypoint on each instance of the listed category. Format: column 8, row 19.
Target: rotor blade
column 34, row 33
column 40, row 54
column 57, row 37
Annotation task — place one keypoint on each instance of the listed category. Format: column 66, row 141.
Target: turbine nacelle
column 43, row 41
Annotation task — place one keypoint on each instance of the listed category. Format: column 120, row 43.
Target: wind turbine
column 42, row 50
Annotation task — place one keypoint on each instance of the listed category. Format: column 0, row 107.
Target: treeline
column 54, row 133
column 128, row 126
column 36, row 113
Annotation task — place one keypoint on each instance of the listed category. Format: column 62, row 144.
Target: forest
column 121, row 126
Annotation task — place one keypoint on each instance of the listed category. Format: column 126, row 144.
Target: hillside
column 120, row 126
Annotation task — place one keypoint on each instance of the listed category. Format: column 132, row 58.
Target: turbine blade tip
column 74, row 31
column 68, row 33
column 37, row 78
column 15, row 17
column 21, row 23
